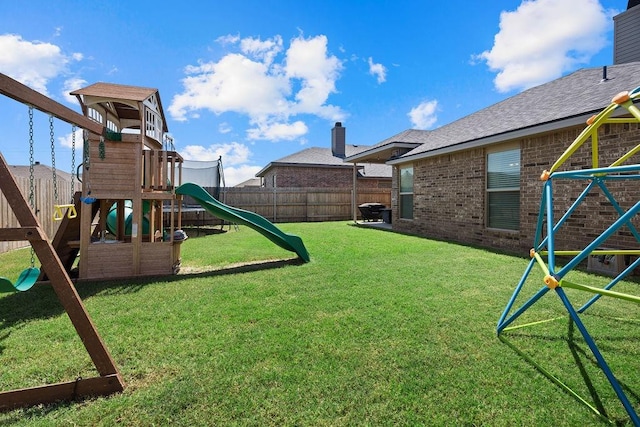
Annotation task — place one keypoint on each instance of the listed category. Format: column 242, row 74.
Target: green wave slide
column 259, row 223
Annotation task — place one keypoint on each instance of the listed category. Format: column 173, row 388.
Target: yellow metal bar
column 541, row 263
column 594, row 149
column 633, row 109
column 586, row 133
column 626, row 297
column 602, row 252
column 511, row 328
column 594, row 123
column 626, row 156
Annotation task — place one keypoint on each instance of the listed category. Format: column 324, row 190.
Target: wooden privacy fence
column 298, row 204
column 277, row 205
column 44, row 207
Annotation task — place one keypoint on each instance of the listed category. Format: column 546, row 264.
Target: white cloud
column 262, row 50
column 378, row 70
column 234, row 175
column 235, row 157
column 278, row 131
column 33, row 63
column 259, row 82
column 232, row 153
column 67, row 141
column 234, row 84
column 228, row 39
column 424, row 115
column 224, row 127
column 70, row 85
column 308, row 61
column 543, row 39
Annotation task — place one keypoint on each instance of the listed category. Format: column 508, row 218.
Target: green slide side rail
column 257, row 222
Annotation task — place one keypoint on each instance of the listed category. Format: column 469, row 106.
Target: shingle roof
column 583, row 92
column 317, row 156
column 321, row 156
column 409, row 135
column 40, row 171
column 117, row 92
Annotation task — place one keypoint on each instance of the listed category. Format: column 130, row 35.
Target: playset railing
column 162, row 170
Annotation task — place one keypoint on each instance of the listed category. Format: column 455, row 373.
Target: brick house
column 476, row 180
column 325, row 168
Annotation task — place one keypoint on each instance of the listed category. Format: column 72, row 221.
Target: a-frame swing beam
column 24, row 94
column 109, row 380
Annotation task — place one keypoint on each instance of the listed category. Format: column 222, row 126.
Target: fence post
column 354, row 193
column 275, row 202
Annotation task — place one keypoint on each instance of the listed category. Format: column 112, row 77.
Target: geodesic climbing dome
column 545, row 254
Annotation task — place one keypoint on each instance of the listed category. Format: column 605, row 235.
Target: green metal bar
column 600, row 252
column 614, row 294
column 539, row 322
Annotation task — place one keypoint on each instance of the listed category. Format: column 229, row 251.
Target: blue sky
column 253, row 80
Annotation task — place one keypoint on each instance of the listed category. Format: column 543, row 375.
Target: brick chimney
column 338, row 140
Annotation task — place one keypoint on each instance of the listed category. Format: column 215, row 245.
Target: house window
column 406, row 192
column 503, row 189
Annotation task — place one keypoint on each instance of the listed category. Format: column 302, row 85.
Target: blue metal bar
column 618, row 209
column 619, row 177
column 515, row 294
column 551, row 257
column 524, row 308
column 596, row 171
column 538, row 235
column 573, row 207
column 601, row 362
column 598, row 241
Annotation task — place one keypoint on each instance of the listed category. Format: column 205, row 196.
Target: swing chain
column 31, row 182
column 87, row 152
column 73, row 160
column 53, row 160
column 101, row 148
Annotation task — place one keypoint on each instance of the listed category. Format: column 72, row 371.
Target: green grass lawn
column 378, row 329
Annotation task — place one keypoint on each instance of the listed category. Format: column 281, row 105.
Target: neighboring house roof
column 564, row 102
column 251, row 182
column 40, row 171
column 323, row 157
column 392, row 147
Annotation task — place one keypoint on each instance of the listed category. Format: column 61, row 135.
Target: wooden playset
column 124, row 223
column 108, row 380
column 129, row 212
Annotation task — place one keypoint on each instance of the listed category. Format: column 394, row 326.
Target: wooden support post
column 110, row 380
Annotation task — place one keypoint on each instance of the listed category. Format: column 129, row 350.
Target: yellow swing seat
column 25, row 281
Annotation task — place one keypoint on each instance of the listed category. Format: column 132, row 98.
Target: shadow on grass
column 203, row 231
column 582, row 359
column 41, row 302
